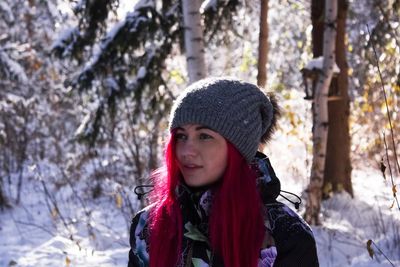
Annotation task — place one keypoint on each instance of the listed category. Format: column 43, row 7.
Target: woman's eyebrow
column 179, row 129
column 201, row 127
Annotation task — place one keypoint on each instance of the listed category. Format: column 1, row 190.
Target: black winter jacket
column 293, row 240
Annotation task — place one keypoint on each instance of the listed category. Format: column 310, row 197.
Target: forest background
column 86, row 87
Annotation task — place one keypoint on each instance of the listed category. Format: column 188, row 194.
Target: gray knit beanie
column 237, row 110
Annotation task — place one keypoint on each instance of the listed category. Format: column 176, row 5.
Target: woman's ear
column 276, row 113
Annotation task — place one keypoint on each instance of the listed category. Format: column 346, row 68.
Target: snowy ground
column 34, row 235
column 75, row 234
column 350, row 223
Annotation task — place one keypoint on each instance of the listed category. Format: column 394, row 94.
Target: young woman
column 214, row 200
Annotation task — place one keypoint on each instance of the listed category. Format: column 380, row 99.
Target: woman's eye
column 205, row 136
column 180, row 136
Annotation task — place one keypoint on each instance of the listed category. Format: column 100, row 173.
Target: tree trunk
column 337, row 174
column 263, row 45
column 338, row 165
column 321, row 122
column 194, row 40
column 3, row 198
column 317, row 20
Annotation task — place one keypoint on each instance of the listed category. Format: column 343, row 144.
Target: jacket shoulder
column 139, row 238
column 293, row 237
column 142, row 214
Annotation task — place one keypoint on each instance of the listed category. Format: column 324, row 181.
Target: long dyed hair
column 236, row 227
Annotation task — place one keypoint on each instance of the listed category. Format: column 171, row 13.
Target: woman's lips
column 191, row 167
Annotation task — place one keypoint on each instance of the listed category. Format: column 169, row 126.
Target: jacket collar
column 200, row 199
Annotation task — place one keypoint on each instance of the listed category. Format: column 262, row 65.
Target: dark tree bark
column 317, row 20
column 337, row 175
column 263, row 45
column 338, row 164
column 3, row 198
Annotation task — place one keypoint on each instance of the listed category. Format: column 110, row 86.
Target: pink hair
column 236, row 224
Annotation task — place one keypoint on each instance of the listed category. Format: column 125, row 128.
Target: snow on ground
column 80, row 233
column 350, row 223
column 34, row 235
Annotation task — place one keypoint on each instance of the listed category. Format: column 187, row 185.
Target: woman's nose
column 189, row 148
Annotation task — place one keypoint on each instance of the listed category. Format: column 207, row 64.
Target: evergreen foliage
column 129, row 60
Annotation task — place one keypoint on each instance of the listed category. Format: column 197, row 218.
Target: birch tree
column 263, row 45
column 194, row 40
column 337, row 177
column 321, row 122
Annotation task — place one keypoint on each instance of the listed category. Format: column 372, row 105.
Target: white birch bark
column 194, row 40
column 321, row 122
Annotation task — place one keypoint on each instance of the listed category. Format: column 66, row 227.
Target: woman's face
column 201, row 154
